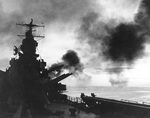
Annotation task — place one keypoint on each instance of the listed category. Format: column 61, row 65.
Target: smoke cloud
column 124, row 45
column 70, row 62
column 118, row 43
column 46, row 11
column 118, row 82
column 75, row 66
column 73, row 63
column 143, row 16
column 71, row 58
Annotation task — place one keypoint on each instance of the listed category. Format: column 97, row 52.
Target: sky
column 76, row 25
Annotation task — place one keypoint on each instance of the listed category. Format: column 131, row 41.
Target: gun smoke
column 71, row 58
column 70, row 62
column 73, row 63
column 120, row 44
column 123, row 44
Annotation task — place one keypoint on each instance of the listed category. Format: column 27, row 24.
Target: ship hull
column 110, row 106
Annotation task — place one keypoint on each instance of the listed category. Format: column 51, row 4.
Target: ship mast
column 28, row 47
column 30, row 27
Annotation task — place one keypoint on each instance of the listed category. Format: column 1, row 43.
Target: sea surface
column 139, row 94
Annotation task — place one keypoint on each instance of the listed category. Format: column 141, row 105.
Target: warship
column 29, row 90
column 27, row 84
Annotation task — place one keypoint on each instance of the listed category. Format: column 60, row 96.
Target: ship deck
column 65, row 108
column 57, row 110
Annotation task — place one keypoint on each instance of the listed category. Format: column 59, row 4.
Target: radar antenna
column 30, row 27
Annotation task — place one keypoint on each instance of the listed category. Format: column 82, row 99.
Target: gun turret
column 54, row 88
column 58, row 79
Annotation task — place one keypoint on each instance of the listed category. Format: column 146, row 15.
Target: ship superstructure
column 27, row 82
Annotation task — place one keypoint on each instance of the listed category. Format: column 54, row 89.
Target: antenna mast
column 30, row 27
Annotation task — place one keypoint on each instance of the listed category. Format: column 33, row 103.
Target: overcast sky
column 63, row 19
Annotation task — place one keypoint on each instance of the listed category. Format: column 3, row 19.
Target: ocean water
column 139, row 94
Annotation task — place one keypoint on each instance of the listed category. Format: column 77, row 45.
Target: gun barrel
column 60, row 66
column 61, row 77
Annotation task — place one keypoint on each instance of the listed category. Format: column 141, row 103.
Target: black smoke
column 71, row 58
column 124, row 45
column 117, row 44
column 73, row 63
column 93, row 30
column 70, row 62
column 146, row 5
column 143, row 17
